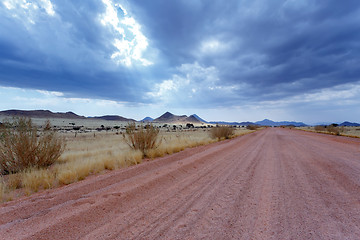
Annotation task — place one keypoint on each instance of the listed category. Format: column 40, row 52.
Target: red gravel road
column 271, row 184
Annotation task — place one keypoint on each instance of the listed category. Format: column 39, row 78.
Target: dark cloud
column 70, row 52
column 278, row 48
column 256, row 50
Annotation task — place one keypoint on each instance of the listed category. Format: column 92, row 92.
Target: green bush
column 22, row 147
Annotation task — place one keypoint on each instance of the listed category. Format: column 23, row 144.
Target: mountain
column 192, row 119
column 349, row 124
column 199, row 118
column 321, row 124
column 233, row 123
column 147, row 119
column 40, row 114
column 171, row 118
column 48, row 114
column 114, row 118
column 267, row 122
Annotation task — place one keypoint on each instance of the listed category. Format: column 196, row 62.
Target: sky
column 233, row 60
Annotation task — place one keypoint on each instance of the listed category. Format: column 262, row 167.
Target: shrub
column 252, row 127
column 142, row 139
column 319, row 128
column 221, row 132
column 21, row 147
column 334, row 129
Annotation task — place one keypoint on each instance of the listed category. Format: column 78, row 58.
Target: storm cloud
column 197, row 53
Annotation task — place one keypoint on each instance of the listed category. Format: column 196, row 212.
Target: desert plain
column 275, row 183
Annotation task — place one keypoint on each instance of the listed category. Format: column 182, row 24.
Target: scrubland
column 341, row 131
column 96, row 152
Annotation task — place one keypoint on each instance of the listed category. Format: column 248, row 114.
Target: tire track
column 272, row 184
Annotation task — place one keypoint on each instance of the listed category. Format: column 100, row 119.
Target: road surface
column 271, row 184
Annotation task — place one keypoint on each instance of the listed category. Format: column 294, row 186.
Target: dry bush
column 335, row 129
column 319, row 128
column 252, row 127
column 21, row 147
column 143, row 139
column 221, row 132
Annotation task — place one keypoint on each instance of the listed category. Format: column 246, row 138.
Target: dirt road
column 272, row 184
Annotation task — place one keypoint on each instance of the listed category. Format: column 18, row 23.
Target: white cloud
column 51, row 93
column 47, row 5
column 29, row 11
column 164, row 88
column 212, row 46
column 129, row 41
column 346, row 94
column 194, row 82
column 27, row 99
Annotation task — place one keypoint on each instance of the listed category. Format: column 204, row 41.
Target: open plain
column 272, row 184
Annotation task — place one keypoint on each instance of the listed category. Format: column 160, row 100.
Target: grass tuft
column 2, row 189
column 35, row 179
column 14, row 181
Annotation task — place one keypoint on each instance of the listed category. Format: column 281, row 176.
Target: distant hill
column 171, row 118
column 147, row 119
column 113, row 118
column 199, row 118
column 233, row 123
column 349, row 124
column 40, row 114
column 267, row 122
column 321, row 123
column 165, row 118
column 193, row 119
column 48, row 114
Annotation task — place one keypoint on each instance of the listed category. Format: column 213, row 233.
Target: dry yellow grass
column 2, row 189
column 75, row 170
column 14, row 181
column 85, row 155
column 35, row 179
column 348, row 131
column 173, row 142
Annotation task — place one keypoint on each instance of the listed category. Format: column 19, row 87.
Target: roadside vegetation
column 2, row 189
column 252, row 127
column 56, row 163
column 334, row 129
column 143, row 138
column 23, row 147
column 222, row 132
